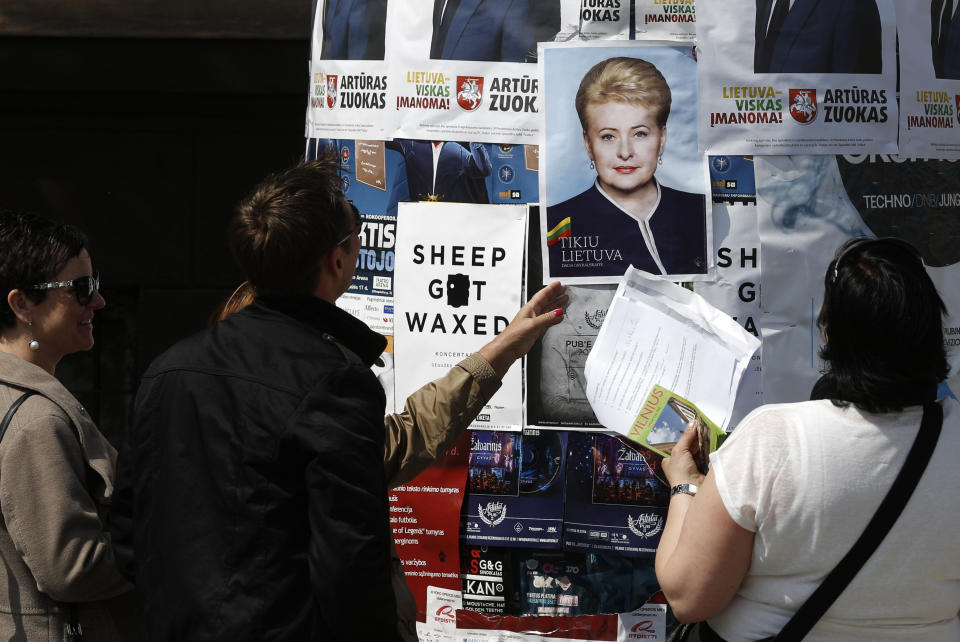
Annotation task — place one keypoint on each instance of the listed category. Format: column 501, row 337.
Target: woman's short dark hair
column 289, row 221
column 33, row 249
column 883, row 322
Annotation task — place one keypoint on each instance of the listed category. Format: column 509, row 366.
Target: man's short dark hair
column 286, row 224
column 33, row 249
column 883, row 321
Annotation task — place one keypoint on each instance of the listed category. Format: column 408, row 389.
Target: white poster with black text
column 459, row 271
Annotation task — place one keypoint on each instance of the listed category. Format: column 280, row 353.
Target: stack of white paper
column 658, row 333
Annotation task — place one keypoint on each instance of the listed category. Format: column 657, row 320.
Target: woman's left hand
column 679, row 467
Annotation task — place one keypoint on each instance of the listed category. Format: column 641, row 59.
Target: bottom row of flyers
column 579, row 491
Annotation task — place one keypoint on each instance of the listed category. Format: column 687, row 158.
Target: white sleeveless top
column 806, row 478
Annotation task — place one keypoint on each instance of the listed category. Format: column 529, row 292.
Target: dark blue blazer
column 353, row 29
column 456, row 162
column 946, row 63
column 821, row 36
column 679, row 231
column 494, row 30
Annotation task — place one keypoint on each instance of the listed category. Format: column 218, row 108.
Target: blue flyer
column 616, row 496
column 515, row 488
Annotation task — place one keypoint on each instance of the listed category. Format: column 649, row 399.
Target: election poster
column 594, row 20
column 459, row 271
column 929, row 32
column 445, row 170
column 622, row 182
column 666, row 20
column 348, row 71
column 818, row 202
column 462, row 70
column 798, row 77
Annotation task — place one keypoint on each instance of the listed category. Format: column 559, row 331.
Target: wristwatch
column 687, row 489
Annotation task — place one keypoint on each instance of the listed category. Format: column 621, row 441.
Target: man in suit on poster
column 445, row 171
column 817, row 36
column 492, row 30
column 945, row 38
column 353, row 29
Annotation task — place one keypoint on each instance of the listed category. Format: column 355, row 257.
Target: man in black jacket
column 252, row 498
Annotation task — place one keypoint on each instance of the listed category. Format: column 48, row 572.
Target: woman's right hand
column 680, row 467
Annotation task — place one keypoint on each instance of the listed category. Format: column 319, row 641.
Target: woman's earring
column 34, row 344
column 593, row 165
column 660, row 161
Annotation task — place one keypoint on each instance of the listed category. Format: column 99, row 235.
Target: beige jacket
column 54, row 496
column 432, row 420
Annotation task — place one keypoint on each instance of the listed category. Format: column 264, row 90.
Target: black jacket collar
column 328, row 318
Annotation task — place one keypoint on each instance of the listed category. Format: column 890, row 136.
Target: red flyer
column 425, row 518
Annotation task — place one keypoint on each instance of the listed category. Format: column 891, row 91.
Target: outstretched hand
column 544, row 309
column 680, row 467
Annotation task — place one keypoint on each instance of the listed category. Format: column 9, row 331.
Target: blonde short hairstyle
column 627, row 80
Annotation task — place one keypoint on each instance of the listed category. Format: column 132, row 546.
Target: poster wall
column 814, row 78
column 929, row 33
column 459, row 272
column 622, row 183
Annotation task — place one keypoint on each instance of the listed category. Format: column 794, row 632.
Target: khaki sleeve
column 51, row 517
column 434, row 417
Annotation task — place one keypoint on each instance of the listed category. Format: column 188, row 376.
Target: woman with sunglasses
column 796, row 484
column 57, row 471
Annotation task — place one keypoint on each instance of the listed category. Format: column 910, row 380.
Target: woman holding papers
column 795, row 485
column 623, row 105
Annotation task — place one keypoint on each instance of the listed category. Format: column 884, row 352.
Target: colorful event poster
column 348, row 72
column 616, row 496
column 594, row 20
column 666, row 20
column 626, row 185
column 459, row 270
column 461, row 70
column 818, row 202
column 804, row 77
column 374, row 179
column 929, row 32
column 515, row 488
column 424, row 518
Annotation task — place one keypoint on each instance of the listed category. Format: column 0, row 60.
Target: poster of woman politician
column 622, row 182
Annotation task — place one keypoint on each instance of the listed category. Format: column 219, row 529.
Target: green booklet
column 663, row 418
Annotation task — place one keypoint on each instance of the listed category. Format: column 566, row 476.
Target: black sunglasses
column 83, row 287
column 358, row 224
